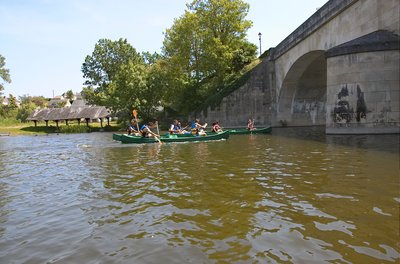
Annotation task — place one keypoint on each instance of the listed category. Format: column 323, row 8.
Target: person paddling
column 216, row 128
column 250, row 124
column 175, row 127
column 145, row 130
column 132, row 128
column 198, row 128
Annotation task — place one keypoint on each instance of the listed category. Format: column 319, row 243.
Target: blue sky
column 46, row 41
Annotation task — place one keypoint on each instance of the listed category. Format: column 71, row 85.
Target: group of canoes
column 176, row 133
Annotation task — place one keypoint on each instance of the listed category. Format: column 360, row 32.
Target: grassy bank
column 17, row 128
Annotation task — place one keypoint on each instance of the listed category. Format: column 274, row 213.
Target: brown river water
column 294, row 196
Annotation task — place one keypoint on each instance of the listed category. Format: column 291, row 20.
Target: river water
column 294, row 196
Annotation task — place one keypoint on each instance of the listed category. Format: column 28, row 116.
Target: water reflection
column 4, row 191
column 388, row 143
column 250, row 199
column 179, row 197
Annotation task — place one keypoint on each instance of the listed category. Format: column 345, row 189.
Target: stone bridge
column 340, row 69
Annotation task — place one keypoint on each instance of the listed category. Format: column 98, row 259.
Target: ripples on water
column 286, row 197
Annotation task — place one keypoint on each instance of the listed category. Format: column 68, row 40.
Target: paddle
column 134, row 112
column 157, row 137
column 158, row 132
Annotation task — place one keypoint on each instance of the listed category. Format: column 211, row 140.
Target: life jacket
column 144, row 133
column 193, row 128
column 175, row 127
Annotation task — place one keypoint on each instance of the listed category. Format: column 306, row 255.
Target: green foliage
column 40, row 129
column 121, row 79
column 10, row 110
column 204, row 48
column 69, row 95
column 203, row 51
column 39, row 101
column 108, row 128
column 61, row 104
column 4, row 73
column 12, row 102
column 21, row 113
column 74, row 129
column 25, row 110
column 265, row 54
column 9, row 121
column 107, row 58
column 243, row 56
column 235, row 83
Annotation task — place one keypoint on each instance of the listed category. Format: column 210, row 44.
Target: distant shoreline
column 29, row 129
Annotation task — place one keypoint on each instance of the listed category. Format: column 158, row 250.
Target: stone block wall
column 363, row 93
column 253, row 99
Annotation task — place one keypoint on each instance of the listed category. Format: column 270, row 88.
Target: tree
column 9, row 110
column 39, row 101
column 25, row 110
column 207, row 45
column 12, row 102
column 4, row 73
column 69, row 95
column 107, row 58
column 108, row 63
column 118, row 77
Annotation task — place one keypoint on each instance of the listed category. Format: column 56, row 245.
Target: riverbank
column 28, row 129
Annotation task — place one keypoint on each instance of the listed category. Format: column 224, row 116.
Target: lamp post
column 259, row 38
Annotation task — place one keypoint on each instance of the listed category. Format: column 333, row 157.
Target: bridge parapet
column 327, row 12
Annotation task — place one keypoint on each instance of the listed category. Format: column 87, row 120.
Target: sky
column 45, row 42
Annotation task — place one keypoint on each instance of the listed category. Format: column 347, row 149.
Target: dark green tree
column 39, row 101
column 4, row 73
column 25, row 110
column 119, row 78
column 12, row 102
column 69, row 95
column 205, row 47
column 9, row 110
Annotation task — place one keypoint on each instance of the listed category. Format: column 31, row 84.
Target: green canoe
column 117, row 136
column 242, row 131
column 173, row 138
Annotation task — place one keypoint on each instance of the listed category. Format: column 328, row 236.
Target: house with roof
column 79, row 110
column 6, row 101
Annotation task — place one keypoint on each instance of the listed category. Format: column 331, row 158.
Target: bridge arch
column 340, row 68
column 302, row 96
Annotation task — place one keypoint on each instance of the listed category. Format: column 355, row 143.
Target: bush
column 25, row 111
column 40, row 129
column 74, row 129
column 108, row 128
column 9, row 121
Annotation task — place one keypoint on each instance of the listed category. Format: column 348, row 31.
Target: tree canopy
column 4, row 73
column 206, row 46
column 120, row 78
column 203, row 50
column 69, row 95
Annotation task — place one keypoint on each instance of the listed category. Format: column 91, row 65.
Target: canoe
column 243, row 131
column 117, row 137
column 173, row 138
